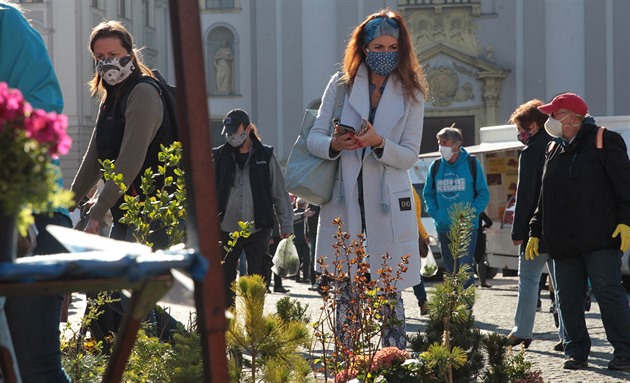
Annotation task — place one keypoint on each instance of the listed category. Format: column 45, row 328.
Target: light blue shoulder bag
column 309, row 177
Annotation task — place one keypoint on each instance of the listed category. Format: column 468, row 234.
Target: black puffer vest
column 110, row 128
column 224, row 168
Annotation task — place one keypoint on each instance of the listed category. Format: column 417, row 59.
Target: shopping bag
column 286, row 261
column 428, row 267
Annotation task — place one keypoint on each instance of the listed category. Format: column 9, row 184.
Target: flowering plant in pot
column 30, row 140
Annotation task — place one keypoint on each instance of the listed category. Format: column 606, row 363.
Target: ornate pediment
column 461, row 74
column 455, row 28
column 458, row 79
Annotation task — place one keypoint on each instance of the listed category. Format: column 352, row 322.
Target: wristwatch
column 381, row 145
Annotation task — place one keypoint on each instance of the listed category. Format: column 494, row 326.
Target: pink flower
column 388, row 356
column 35, row 124
column 12, row 104
column 49, row 129
column 29, row 137
column 345, row 376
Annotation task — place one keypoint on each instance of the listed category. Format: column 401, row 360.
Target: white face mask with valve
column 554, row 127
column 446, row 152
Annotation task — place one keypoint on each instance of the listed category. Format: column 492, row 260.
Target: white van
column 498, row 153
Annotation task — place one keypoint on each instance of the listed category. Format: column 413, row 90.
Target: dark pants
column 603, row 268
column 34, row 320
column 255, row 247
column 305, row 260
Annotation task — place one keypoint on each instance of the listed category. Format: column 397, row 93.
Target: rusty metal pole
column 202, row 224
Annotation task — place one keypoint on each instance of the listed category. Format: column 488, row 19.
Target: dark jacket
column 585, row 194
column 110, row 129
column 225, row 165
column 530, row 170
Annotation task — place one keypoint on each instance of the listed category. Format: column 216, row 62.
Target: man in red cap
column 584, row 214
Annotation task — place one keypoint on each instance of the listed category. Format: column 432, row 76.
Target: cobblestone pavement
column 493, row 311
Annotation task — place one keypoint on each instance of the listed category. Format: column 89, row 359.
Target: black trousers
column 255, row 247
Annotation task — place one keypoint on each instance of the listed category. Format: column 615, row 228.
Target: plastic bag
column 428, row 267
column 286, row 261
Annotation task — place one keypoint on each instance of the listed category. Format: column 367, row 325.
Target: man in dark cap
column 584, row 214
column 250, row 188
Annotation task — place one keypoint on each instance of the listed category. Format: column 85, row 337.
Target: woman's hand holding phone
column 367, row 136
column 341, row 129
column 344, row 138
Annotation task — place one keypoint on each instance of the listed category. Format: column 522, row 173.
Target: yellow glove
column 532, row 248
column 624, row 232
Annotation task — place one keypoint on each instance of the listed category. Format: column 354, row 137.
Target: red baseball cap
column 568, row 101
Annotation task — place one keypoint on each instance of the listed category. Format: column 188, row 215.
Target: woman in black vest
column 128, row 129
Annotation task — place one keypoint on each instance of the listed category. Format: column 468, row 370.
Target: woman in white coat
column 372, row 193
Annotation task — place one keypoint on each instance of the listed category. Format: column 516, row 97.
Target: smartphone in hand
column 344, row 129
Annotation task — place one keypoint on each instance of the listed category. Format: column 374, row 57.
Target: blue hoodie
column 28, row 66
column 453, row 184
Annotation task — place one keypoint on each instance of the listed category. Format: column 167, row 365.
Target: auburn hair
column 527, row 113
column 409, row 70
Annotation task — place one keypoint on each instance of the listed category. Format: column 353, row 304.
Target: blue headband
column 380, row 26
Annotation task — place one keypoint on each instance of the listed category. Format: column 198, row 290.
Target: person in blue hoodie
column 34, row 320
column 454, row 183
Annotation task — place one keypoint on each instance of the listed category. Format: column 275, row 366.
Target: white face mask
column 236, row 140
column 446, row 152
column 114, row 70
column 554, row 127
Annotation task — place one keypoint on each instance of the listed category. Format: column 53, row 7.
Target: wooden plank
column 202, row 224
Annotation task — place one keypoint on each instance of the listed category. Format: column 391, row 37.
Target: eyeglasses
column 556, row 115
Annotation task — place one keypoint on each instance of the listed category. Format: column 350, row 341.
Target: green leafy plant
column 82, row 357
column 244, row 232
column 155, row 208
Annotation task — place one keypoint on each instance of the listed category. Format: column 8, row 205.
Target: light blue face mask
column 382, row 63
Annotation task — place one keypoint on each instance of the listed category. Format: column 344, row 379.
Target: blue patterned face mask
column 382, row 63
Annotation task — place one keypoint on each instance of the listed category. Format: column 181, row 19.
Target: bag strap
column 339, row 100
column 434, row 170
column 599, row 138
column 472, row 164
column 600, row 150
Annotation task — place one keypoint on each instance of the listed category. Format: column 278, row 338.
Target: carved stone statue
column 223, row 59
